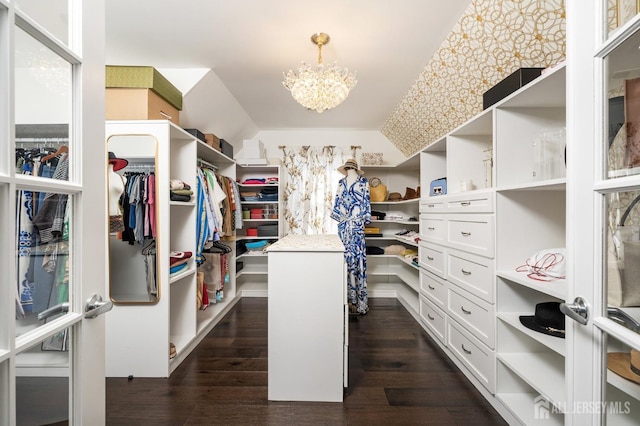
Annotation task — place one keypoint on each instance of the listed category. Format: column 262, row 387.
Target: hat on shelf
column 626, row 365
column 547, row 319
column 118, row 163
column 350, row 164
column 395, row 196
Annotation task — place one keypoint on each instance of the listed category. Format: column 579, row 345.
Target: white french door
column 52, row 212
column 603, row 169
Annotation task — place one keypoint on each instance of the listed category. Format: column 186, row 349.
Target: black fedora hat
column 547, row 319
column 118, row 163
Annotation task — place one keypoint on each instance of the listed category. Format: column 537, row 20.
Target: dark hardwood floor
column 397, row 376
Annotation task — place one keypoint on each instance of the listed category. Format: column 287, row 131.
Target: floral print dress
column 352, row 211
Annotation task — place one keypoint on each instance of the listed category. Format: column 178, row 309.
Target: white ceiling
column 249, row 43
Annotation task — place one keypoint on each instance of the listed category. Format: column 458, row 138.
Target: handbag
column 622, row 284
column 377, row 190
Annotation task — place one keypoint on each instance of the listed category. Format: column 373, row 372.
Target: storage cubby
column 469, row 155
column 434, row 164
column 523, row 401
column 515, row 300
column 537, row 218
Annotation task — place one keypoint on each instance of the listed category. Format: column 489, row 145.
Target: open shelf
column 544, row 372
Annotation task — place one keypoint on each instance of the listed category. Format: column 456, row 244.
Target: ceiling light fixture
column 321, row 88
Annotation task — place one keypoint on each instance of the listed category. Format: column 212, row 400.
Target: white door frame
column 585, row 367
column 87, row 185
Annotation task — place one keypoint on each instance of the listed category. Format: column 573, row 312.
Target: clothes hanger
column 61, row 150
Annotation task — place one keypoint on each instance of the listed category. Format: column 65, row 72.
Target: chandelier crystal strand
column 323, row 88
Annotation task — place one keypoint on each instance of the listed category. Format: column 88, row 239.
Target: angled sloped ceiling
column 492, row 39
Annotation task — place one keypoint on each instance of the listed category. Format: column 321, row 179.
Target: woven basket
column 377, row 190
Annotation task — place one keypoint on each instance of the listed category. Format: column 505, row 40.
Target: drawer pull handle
column 431, row 228
column 465, row 272
column 429, row 258
column 465, row 311
column 465, row 234
column 431, row 287
column 465, row 203
column 467, row 351
column 431, row 205
column 430, row 317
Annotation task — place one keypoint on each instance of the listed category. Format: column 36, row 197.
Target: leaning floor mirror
column 132, row 201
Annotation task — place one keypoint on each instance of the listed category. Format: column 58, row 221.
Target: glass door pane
column 43, row 381
column 42, row 107
column 620, row 12
column 619, row 328
column 42, row 257
column 52, row 15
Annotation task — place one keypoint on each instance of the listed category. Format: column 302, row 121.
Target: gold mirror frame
column 126, row 262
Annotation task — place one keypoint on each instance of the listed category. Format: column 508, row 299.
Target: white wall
column 223, row 115
column 369, row 140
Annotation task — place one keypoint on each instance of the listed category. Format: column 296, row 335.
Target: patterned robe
column 352, row 211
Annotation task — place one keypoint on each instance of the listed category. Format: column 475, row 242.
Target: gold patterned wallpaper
column 492, row 39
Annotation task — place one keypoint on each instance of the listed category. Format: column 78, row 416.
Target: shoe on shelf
column 172, row 351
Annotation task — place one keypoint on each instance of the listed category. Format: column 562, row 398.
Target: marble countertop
column 325, row 243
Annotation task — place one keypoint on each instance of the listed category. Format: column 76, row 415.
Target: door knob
column 96, row 306
column 54, row 310
column 577, row 311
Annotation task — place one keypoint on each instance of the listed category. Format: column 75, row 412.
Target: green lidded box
column 143, row 77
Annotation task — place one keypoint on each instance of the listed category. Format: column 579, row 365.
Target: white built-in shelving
column 252, row 266
column 139, row 332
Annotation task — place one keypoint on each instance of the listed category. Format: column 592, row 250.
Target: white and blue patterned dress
column 352, row 211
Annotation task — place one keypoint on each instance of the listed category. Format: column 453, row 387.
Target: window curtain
column 310, row 183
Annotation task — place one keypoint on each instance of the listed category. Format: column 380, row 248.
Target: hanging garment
column 352, row 211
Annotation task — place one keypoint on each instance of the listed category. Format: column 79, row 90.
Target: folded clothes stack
column 412, row 236
column 179, row 190
column 269, row 194
column 260, row 181
column 249, row 196
column 178, row 261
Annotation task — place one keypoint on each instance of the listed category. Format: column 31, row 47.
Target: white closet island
column 308, row 319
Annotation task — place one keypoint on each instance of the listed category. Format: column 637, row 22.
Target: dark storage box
column 226, row 148
column 197, row 133
column 509, row 85
column 268, row 230
column 239, row 265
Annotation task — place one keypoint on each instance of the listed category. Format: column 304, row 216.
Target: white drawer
column 479, row 359
column 434, row 288
column 476, row 315
column 472, row 233
column 432, row 258
column 432, row 204
column 472, row 273
column 471, row 202
column 433, row 228
column 434, row 318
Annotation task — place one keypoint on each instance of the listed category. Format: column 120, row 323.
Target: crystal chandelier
column 321, row 88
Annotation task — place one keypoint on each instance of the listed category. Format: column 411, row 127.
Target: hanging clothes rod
column 29, row 142
column 202, row 162
column 139, row 166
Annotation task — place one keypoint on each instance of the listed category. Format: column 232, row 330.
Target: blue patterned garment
column 352, row 211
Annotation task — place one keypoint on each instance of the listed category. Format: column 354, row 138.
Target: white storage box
column 253, row 148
